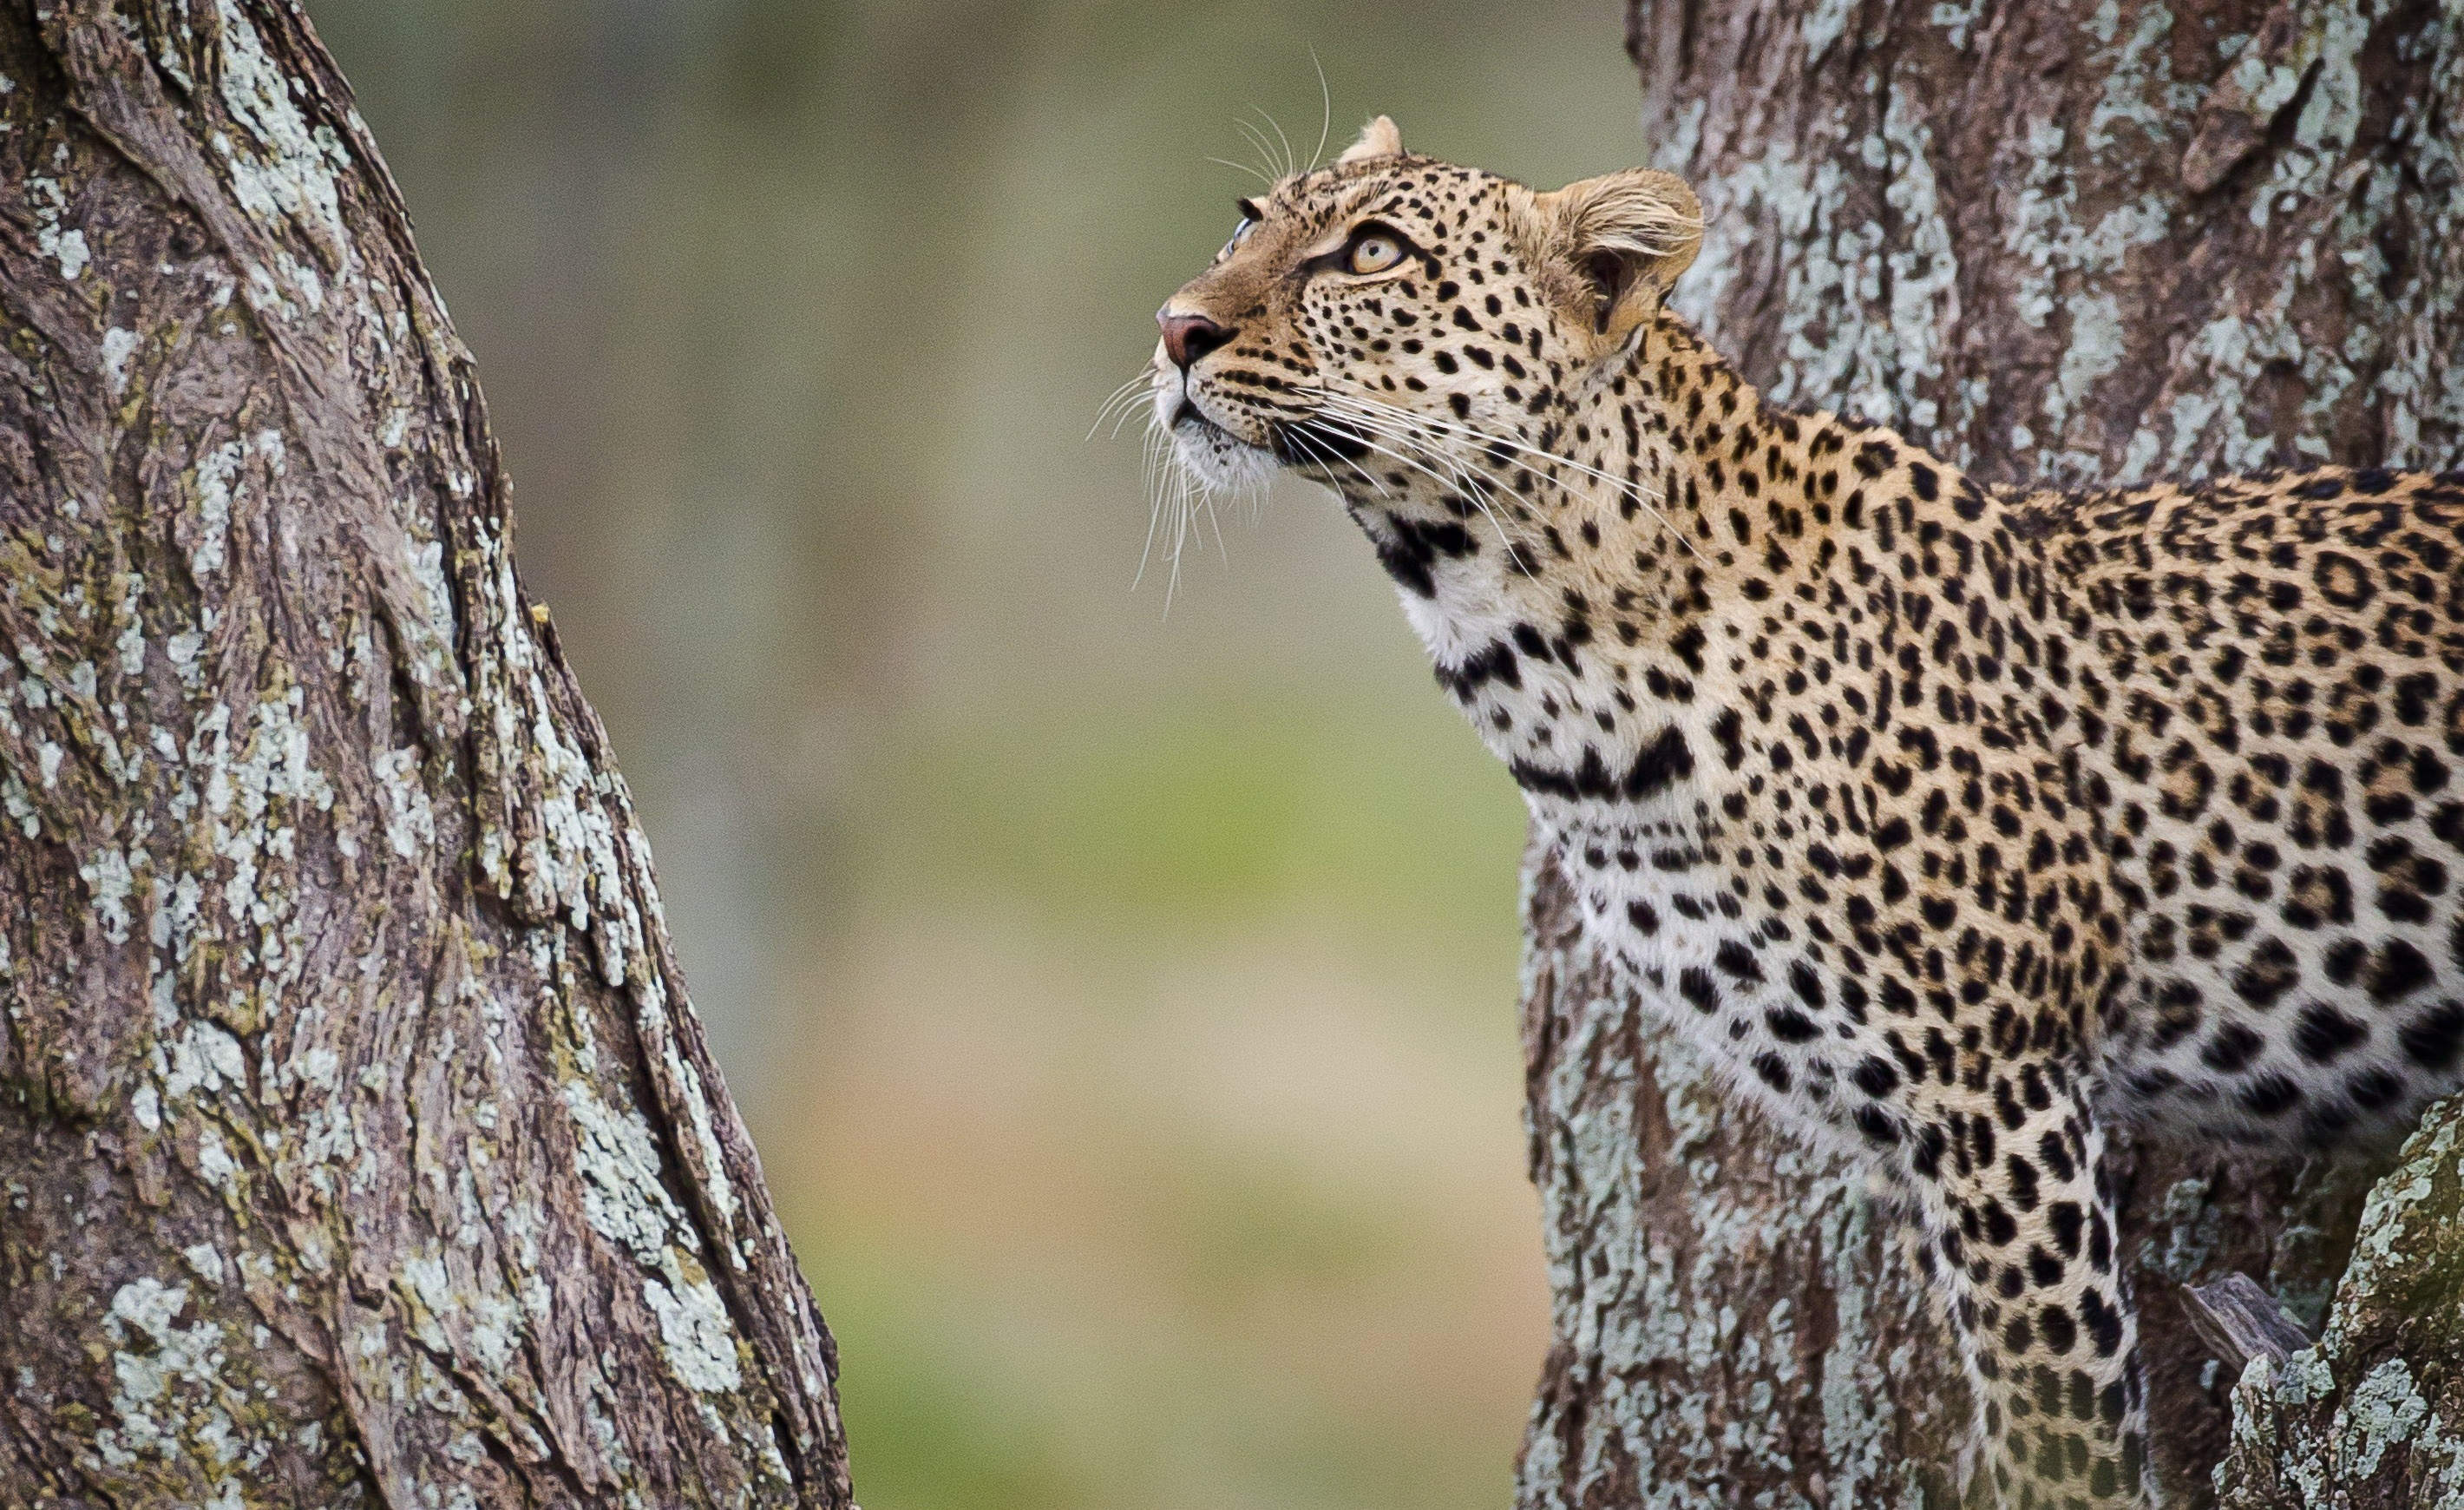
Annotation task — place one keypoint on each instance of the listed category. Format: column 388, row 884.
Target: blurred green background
column 1123, row 999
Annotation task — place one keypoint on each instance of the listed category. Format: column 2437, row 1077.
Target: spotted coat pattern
column 1957, row 823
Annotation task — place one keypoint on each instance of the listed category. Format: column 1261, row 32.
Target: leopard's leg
column 2017, row 1230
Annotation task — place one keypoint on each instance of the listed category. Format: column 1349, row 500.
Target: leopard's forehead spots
column 1433, row 202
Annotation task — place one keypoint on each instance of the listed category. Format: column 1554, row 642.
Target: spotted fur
column 1958, row 824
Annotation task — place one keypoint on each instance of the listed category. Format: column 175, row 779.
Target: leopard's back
column 2267, row 701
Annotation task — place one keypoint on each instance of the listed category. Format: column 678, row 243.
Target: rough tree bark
column 2070, row 241
column 357, row 1142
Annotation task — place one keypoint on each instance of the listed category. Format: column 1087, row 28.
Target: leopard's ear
column 1617, row 242
column 1379, row 138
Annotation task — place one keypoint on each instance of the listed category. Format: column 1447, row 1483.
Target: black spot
column 1728, row 728
column 2103, row 1322
column 2432, row 1039
column 2342, row 581
column 2414, row 694
column 2398, row 970
column 1789, row 1026
column 1688, row 647
column 1875, row 1077
column 1409, row 553
column 1738, row 961
column 1927, row 485
column 1926, row 1158
column 2067, row 1221
column 1773, row 1069
column 2270, row 1094
column 2325, row 1032
column 2056, row 1157
column 1695, row 983
column 2269, row 974
column 2345, row 959
column 2060, row 1332
column 2374, row 1090
column 1646, row 921
column 2317, row 895
column 1661, row 763
column 2023, row 1183
column 2231, row 1049
column 1497, row 664
column 1876, row 1126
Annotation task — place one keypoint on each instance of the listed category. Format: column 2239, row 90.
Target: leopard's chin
column 1215, row 457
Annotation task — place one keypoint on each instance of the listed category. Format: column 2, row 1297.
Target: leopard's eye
column 1250, row 215
column 1374, row 252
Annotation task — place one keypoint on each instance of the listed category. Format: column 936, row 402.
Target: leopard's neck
column 1618, row 618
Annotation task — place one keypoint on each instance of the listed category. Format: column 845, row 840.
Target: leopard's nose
column 1186, row 337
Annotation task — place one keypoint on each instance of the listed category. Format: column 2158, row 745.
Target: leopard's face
column 1389, row 306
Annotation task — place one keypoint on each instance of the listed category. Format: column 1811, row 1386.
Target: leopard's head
column 1389, row 305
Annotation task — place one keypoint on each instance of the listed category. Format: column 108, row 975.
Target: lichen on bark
column 2374, row 1413
column 360, row 1142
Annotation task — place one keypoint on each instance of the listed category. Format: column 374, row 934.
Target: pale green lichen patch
column 181, row 1400
column 2183, row 1230
column 628, row 1203
column 411, row 824
column 289, row 172
column 1841, row 262
column 65, row 247
column 2374, row 1414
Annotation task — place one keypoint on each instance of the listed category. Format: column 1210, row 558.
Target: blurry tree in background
column 2076, row 243
column 1121, row 994
column 359, row 1145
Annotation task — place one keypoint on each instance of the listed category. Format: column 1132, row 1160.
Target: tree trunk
column 359, row 1143
column 2076, row 242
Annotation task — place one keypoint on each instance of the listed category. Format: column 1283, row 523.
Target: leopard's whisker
column 1124, row 400
column 1246, row 167
column 1642, row 496
column 1265, row 149
column 1290, row 164
column 1325, row 112
column 1463, row 483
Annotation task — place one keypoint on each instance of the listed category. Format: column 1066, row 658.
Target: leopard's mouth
column 1314, row 446
column 1213, row 453
column 1316, row 443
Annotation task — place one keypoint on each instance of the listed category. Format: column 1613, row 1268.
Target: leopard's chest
column 1668, row 906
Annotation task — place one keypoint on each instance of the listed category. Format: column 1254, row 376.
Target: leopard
column 1964, row 827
